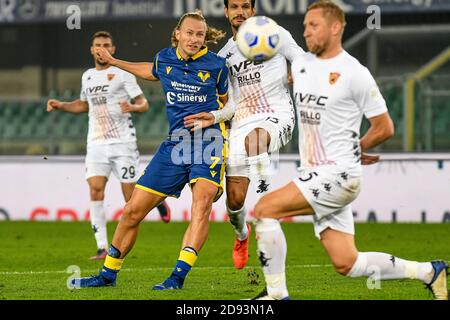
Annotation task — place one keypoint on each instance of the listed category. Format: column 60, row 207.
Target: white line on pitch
column 8, row 273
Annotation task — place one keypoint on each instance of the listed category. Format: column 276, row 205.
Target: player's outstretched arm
column 76, row 106
column 139, row 69
column 140, row 105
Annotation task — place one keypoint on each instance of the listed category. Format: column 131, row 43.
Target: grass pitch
column 34, row 257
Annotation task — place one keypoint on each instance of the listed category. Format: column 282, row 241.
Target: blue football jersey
column 191, row 86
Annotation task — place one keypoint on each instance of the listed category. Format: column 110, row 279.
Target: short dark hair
column 102, row 34
column 225, row 3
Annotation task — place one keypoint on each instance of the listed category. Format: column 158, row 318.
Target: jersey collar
column 199, row 54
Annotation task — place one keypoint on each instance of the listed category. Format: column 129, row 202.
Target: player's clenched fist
column 126, row 107
column 53, row 104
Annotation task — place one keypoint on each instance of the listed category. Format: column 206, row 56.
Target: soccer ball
column 258, row 38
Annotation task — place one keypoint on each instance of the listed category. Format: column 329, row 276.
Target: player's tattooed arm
column 139, row 105
column 142, row 70
column 76, row 106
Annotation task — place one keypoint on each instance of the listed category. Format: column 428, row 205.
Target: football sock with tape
column 384, row 266
column 112, row 263
column 185, row 262
column 237, row 220
column 272, row 249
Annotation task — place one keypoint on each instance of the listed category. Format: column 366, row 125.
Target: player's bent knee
column 235, row 200
column 344, row 266
column 262, row 209
column 131, row 215
column 343, row 269
column 97, row 194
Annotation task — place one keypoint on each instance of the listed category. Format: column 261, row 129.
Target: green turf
column 35, row 255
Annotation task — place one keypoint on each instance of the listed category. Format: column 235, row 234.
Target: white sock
column 387, row 267
column 237, row 220
column 98, row 223
column 260, row 174
column 272, row 249
column 259, row 165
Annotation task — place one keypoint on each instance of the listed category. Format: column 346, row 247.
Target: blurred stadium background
column 40, row 58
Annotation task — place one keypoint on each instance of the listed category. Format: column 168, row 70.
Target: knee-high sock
column 237, row 220
column 384, row 266
column 260, row 174
column 272, row 251
column 98, row 223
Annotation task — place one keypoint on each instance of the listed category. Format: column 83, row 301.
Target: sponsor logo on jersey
column 98, row 89
column 185, row 87
column 334, row 76
column 111, row 76
column 168, row 69
column 242, row 66
column 175, row 97
column 204, row 75
column 309, row 99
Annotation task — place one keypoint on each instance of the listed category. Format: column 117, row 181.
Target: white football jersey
column 260, row 89
column 331, row 96
column 104, row 90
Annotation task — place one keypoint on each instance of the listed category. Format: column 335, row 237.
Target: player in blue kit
column 194, row 80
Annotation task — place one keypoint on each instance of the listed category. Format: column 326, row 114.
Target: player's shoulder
column 121, row 73
column 354, row 65
column 215, row 58
column 283, row 31
column 302, row 59
column 166, row 54
column 227, row 48
column 87, row 73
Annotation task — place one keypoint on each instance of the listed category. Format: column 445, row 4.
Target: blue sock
column 185, row 262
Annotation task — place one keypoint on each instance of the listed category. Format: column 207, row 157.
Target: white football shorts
column 280, row 129
column 330, row 189
column 120, row 158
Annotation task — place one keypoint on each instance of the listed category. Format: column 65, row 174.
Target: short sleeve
column 155, row 67
column 83, row 96
column 367, row 95
column 130, row 85
column 222, row 80
column 289, row 49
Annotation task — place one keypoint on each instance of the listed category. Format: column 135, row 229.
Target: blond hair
column 212, row 34
column 330, row 9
